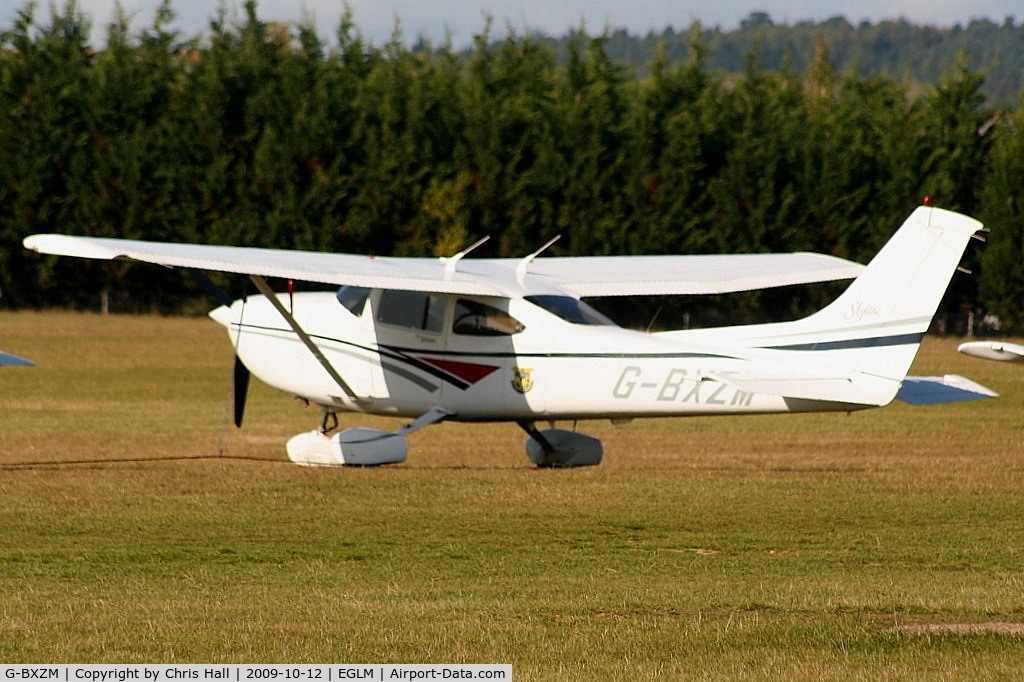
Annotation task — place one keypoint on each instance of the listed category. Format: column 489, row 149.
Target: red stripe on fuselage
column 467, row 371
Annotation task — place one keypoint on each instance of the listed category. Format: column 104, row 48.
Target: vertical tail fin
column 873, row 330
column 902, row 286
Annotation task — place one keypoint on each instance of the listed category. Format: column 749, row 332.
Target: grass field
column 886, row 544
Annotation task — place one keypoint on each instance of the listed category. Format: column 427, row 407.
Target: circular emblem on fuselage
column 522, row 379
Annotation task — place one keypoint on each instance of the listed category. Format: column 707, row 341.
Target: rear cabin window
column 479, row 319
column 412, row 309
column 571, row 310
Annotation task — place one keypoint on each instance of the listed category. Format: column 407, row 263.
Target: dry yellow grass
column 884, row 544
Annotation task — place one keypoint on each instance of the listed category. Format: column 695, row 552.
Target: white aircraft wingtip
column 993, row 350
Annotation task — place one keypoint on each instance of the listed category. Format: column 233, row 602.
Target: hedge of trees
column 267, row 135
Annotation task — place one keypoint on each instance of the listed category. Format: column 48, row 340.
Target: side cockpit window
column 479, row 319
column 412, row 309
column 354, row 299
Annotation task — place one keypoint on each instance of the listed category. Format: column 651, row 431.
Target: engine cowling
column 567, row 449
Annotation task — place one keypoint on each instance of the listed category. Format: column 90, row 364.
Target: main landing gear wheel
column 561, row 447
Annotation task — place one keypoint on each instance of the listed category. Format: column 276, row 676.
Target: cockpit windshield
column 570, row 309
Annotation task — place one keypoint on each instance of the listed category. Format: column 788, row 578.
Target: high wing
column 583, row 276
column 416, row 274
column 692, row 274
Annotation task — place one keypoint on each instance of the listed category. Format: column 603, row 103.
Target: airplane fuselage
column 532, row 365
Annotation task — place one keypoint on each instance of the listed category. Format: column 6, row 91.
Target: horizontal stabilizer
column 946, row 389
column 862, row 390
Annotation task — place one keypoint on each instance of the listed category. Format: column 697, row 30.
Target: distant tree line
column 260, row 134
column 896, row 48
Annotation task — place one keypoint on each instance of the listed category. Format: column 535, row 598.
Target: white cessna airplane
column 465, row 339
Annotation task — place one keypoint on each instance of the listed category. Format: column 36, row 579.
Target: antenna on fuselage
column 451, row 261
column 525, row 263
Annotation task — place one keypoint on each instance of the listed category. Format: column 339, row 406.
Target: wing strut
column 265, row 289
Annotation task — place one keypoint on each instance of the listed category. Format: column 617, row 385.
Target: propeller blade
column 240, row 389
